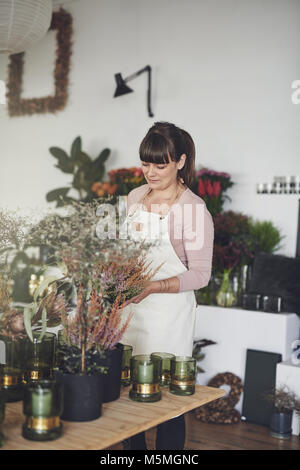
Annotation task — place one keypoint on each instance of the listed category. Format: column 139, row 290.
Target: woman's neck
column 169, row 192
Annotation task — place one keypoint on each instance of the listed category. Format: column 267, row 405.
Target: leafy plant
column 84, row 170
column 71, row 363
column 264, row 236
column 197, row 348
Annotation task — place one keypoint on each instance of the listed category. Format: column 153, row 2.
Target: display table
column 120, row 419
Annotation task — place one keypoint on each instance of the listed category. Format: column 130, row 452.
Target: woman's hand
column 149, row 289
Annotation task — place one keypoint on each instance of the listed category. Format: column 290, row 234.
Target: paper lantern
column 23, row 23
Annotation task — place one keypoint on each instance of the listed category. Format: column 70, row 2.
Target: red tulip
column 201, row 188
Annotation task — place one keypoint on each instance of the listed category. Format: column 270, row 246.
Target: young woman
column 166, row 208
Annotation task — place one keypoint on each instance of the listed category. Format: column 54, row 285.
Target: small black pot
column 83, row 396
column 112, row 380
column 281, row 424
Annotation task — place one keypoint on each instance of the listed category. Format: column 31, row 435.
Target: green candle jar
column 39, row 356
column 12, row 368
column 127, row 354
column 145, row 377
column 183, row 375
column 42, row 407
column 165, row 367
column 2, row 414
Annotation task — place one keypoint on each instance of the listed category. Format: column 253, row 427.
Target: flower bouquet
column 121, row 182
column 211, row 186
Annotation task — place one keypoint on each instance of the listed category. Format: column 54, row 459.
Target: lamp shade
column 23, row 23
column 122, row 88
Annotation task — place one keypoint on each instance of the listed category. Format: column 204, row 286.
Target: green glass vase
column 166, row 367
column 127, row 354
column 225, row 296
column 183, row 375
column 40, row 357
column 12, row 370
column 42, row 407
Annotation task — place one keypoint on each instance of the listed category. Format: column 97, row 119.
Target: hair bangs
column 155, row 148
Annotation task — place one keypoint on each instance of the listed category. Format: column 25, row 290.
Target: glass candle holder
column 2, row 415
column 39, row 356
column 42, row 407
column 127, row 354
column 145, row 377
column 271, row 303
column 165, row 367
column 11, row 371
column 251, row 301
column 183, row 375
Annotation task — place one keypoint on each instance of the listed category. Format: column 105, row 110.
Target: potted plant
column 105, row 272
column 284, row 402
column 231, row 254
column 82, row 167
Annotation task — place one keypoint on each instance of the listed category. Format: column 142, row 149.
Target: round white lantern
column 23, row 23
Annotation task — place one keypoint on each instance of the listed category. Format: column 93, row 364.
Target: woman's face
column 162, row 175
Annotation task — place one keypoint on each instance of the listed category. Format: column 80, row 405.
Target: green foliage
column 71, row 363
column 264, row 236
column 197, row 354
column 85, row 172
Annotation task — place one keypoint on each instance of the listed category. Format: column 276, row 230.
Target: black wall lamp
column 123, row 89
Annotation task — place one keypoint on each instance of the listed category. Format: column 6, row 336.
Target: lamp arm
column 136, row 74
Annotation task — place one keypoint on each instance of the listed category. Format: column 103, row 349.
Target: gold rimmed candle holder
column 165, row 367
column 127, row 354
column 145, row 376
column 183, row 375
column 12, row 370
column 42, row 407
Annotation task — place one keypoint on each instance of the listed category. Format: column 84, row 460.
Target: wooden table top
column 120, row 419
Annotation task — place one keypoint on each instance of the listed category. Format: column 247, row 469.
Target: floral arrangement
column 211, row 186
column 121, row 182
column 232, row 241
column 104, row 272
column 14, row 322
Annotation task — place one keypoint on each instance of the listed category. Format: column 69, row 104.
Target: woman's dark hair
column 164, row 139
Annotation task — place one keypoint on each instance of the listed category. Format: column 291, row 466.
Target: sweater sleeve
column 198, row 239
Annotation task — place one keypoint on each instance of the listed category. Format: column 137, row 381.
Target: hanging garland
column 18, row 106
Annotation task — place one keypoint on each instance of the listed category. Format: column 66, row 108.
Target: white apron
column 162, row 322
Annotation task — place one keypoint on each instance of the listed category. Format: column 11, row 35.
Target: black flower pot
column 281, row 424
column 112, row 380
column 83, row 396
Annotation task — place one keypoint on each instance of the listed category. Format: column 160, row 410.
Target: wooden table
column 120, row 419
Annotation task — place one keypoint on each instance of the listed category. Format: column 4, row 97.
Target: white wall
column 222, row 69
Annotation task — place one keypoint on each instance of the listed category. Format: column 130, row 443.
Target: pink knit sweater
column 191, row 235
